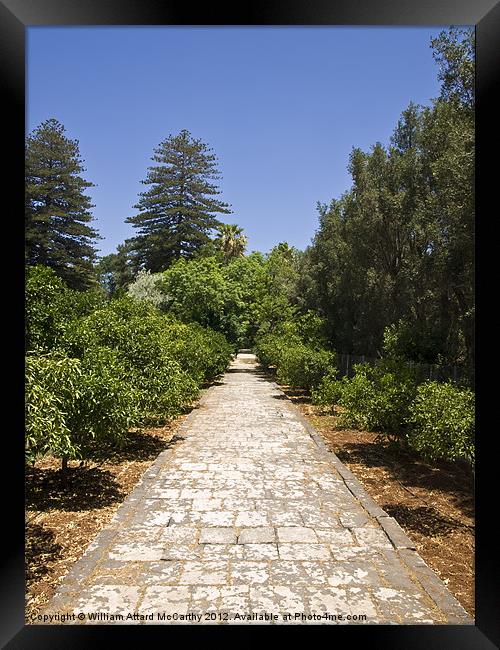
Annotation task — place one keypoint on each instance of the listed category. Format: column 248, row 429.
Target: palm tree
column 231, row 241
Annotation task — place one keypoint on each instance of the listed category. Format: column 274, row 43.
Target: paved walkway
column 249, row 519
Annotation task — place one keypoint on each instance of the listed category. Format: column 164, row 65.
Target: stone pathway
column 248, row 519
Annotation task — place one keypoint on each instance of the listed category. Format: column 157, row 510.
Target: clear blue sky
column 281, row 107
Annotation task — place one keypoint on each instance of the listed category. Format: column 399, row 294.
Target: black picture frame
column 15, row 17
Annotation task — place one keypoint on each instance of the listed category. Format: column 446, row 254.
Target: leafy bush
column 311, row 329
column 304, row 367
column 378, row 398
column 296, row 348
column 51, row 305
column 136, row 333
column 216, row 349
column 99, row 367
column 145, row 287
column 72, row 405
column 47, row 306
column 269, row 348
column 164, row 360
column 442, row 421
column 83, row 303
column 200, row 351
column 52, row 388
column 107, row 404
column 328, row 392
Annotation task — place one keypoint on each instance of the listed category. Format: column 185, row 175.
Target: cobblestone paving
column 248, row 519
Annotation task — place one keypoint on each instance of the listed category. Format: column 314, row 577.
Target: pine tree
column 177, row 213
column 56, row 209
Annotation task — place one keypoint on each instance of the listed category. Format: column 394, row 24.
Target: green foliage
column 84, row 302
column 200, row 351
column 165, row 361
column 57, row 212
column 328, row 392
column 106, row 407
column 225, row 296
column 117, row 270
column 177, row 212
column 453, row 51
column 50, row 305
column 303, row 366
column 378, row 398
column 442, row 419
column 110, row 365
column 270, row 348
column 74, row 406
column 295, row 348
column 398, row 247
column 145, row 287
column 214, row 349
column 295, row 331
column 47, row 304
column 198, row 291
column 52, row 390
column 135, row 332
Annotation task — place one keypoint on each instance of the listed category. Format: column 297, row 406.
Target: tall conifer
column 178, row 211
column 57, row 211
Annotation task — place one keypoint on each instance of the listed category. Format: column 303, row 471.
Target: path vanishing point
column 248, row 519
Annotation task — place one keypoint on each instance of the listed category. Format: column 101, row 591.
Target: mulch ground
column 432, row 501
column 66, row 510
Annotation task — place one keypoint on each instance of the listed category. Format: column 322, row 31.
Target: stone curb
column 430, row 581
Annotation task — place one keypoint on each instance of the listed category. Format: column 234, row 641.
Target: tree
column 231, row 241
column 117, row 270
column 177, row 213
column 454, row 52
column 397, row 249
column 57, row 212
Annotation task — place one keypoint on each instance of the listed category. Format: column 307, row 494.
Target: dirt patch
column 432, row 502
column 66, row 510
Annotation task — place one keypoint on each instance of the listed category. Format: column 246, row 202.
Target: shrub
column 269, row 348
column 378, row 398
column 357, row 397
column 74, row 405
column 200, row 351
column 328, row 392
column 51, row 305
column 137, row 334
column 52, row 388
column 217, row 351
column 311, row 329
column 304, row 367
column 107, row 404
column 165, row 360
column 145, row 287
column 47, row 306
column 442, row 421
